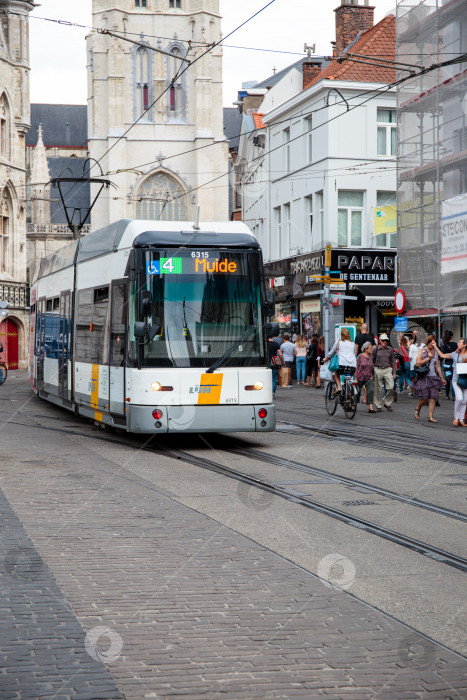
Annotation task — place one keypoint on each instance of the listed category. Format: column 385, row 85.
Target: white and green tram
column 154, row 327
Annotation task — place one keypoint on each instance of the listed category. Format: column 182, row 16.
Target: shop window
column 386, row 240
column 350, row 218
column 386, row 132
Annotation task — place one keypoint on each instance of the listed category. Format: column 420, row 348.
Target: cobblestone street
column 113, row 588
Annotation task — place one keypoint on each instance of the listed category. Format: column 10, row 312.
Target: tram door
column 40, row 343
column 117, row 359
column 64, row 344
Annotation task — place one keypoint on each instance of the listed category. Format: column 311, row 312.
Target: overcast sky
column 58, row 55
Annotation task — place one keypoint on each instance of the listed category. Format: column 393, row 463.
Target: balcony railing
column 15, row 293
column 54, row 228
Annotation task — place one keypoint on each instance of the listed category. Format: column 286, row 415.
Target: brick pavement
column 202, row 612
column 42, row 651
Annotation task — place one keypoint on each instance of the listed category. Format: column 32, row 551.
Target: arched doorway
column 9, row 340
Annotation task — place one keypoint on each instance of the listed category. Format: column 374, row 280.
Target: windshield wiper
column 231, row 349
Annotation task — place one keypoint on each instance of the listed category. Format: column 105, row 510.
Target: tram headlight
column 156, row 386
column 255, row 387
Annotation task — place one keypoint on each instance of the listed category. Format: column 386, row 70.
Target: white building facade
column 162, row 165
column 319, row 168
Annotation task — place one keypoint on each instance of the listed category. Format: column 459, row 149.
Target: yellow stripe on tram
column 95, row 391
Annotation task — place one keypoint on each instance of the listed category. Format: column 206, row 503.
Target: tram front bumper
column 201, row 419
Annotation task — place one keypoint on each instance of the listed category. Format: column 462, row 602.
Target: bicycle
column 347, row 397
column 3, row 372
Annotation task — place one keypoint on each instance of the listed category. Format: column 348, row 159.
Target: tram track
column 293, row 495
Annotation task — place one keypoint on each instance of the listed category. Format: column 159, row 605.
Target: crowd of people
column 423, row 368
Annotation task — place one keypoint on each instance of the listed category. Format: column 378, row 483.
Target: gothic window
column 4, row 127
column 175, row 97
column 5, row 231
column 143, row 83
column 161, row 197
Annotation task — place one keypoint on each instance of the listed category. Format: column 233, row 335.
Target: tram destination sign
column 197, row 262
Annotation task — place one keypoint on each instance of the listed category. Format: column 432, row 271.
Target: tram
column 155, row 327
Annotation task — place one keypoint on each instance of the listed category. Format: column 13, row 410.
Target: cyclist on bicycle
column 345, row 349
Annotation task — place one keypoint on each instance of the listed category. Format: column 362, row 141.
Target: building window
column 4, row 127
column 143, row 82
column 140, row 3
column 176, row 99
column 387, row 199
column 5, row 232
column 320, row 202
column 285, row 239
column 161, row 197
column 386, row 131
column 275, row 249
column 309, row 138
column 350, row 218
column 176, row 4
column 309, row 217
column 286, row 141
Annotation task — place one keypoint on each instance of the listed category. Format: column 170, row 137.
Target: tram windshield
column 199, row 302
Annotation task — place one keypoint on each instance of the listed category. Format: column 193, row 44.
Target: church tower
column 163, row 164
column 14, row 124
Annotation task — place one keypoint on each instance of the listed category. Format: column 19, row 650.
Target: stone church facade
column 162, row 165
column 14, row 124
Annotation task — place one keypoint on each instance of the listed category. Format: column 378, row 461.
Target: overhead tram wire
column 77, row 25
column 459, row 59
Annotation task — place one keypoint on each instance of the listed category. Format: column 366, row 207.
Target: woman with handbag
column 428, row 378
column 459, row 380
column 344, row 358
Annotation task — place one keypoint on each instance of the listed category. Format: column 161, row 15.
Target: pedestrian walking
column 365, row 372
column 413, row 353
column 404, row 369
column 345, row 349
column 427, row 382
column 276, row 359
column 300, row 358
column 385, row 373
column 288, row 351
column 321, row 354
column 448, row 347
column 363, row 337
column 311, row 360
column 459, row 381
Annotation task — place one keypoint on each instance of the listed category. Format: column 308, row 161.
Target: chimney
column 310, row 70
column 351, row 19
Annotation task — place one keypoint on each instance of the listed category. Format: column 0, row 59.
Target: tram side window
column 118, row 325
column 83, row 326
column 100, row 320
column 92, row 325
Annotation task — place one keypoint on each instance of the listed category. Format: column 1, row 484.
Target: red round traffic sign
column 399, row 300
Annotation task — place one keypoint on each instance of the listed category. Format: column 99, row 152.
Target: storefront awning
column 422, row 313
column 376, row 292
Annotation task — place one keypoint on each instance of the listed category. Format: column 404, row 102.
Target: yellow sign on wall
column 385, row 219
